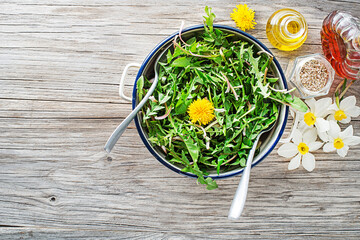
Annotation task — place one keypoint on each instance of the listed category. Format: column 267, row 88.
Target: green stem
column 344, row 91
column 237, row 75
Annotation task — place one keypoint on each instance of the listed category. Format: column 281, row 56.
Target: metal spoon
column 239, row 199
column 122, row 127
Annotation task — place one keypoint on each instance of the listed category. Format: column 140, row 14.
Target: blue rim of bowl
column 140, row 72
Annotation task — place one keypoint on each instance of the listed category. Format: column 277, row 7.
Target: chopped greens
column 234, row 79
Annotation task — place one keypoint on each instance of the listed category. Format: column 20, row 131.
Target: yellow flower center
column 243, row 17
column 339, row 115
column 309, row 118
column 201, row 111
column 303, row 148
column 338, row 143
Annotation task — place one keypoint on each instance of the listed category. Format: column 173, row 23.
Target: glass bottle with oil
column 286, row 29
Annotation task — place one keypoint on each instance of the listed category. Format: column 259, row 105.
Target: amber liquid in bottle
column 340, row 38
column 337, row 50
column 286, row 29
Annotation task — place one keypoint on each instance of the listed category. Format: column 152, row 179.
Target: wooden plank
column 60, row 63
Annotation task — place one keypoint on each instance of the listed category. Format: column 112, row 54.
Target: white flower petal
column 348, row 103
column 353, row 112
column 324, row 136
column 346, row 120
column 311, row 103
column 322, row 125
column 348, row 132
column 308, row 162
column 334, row 129
column 301, row 115
column 333, row 107
column 303, row 126
column 309, row 136
column 297, row 137
column 321, row 107
column 331, row 117
column 315, row 146
column 351, row 141
column 295, row 162
column 288, row 150
column 343, row 151
column 329, row 147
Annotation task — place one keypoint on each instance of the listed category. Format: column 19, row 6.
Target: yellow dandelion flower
column 243, row 17
column 201, row 111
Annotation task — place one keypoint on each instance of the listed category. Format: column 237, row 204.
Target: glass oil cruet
column 287, row 29
column 340, row 39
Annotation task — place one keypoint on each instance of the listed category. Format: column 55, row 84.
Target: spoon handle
column 122, row 127
column 238, row 202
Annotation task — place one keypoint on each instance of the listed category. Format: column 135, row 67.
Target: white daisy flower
column 340, row 141
column 345, row 111
column 318, row 110
column 303, row 144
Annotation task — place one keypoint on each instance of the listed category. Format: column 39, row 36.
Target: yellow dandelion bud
column 243, row 17
column 201, row 111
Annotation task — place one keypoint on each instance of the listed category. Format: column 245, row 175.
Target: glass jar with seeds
column 312, row 75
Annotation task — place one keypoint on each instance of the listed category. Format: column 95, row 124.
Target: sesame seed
column 314, row 75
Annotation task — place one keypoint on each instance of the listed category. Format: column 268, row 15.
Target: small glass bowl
column 293, row 75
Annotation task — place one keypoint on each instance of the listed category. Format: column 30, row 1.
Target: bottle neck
column 292, row 27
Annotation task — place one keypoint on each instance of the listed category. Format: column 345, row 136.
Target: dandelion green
column 237, row 82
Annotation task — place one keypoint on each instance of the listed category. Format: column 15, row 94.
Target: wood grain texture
column 60, row 63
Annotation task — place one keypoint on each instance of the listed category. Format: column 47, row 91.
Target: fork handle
column 122, row 127
column 239, row 200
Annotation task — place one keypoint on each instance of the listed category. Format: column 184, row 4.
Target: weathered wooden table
column 60, row 63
